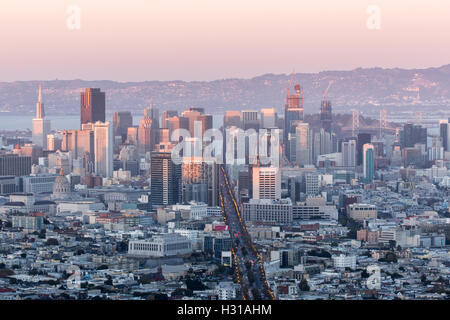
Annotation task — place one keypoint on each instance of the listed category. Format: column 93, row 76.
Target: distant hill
column 359, row 88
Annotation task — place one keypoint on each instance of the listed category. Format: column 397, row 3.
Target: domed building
column 61, row 187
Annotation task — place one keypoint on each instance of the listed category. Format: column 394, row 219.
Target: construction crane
column 324, row 93
column 290, row 82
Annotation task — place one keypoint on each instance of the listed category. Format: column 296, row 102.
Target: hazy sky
column 139, row 40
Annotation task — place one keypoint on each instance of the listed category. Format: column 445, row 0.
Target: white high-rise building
column 41, row 125
column 349, row 153
column 303, row 146
column 103, row 149
column 266, row 183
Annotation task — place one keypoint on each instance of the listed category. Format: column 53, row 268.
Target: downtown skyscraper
column 122, row 120
column 41, row 125
column 294, row 109
column 92, row 104
column 326, row 115
column 369, row 162
column 103, row 149
column 165, row 179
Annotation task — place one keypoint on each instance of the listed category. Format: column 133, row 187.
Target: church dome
column 61, row 187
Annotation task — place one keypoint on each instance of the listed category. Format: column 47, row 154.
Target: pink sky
column 137, row 40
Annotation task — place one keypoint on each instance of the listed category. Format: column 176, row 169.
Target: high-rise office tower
column 103, row 149
column 349, row 153
column 444, row 132
column 369, row 162
column 147, row 133
column 41, row 125
column 165, row 179
column 232, row 118
column 303, row 144
column 250, row 119
column 197, row 119
column 269, row 118
column 200, row 181
column 326, row 115
column 122, row 120
column 132, row 135
column 266, row 182
column 436, row 151
column 166, row 115
column 152, row 113
column 294, row 109
column 53, row 142
column 164, row 136
column 79, row 142
column 207, row 122
column 413, row 134
column 30, row 150
column 322, row 144
column 363, row 138
column 85, row 144
column 176, row 122
column 92, row 105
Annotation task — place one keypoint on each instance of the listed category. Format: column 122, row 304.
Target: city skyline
column 323, row 186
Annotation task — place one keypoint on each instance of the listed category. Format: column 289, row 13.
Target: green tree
column 52, row 242
column 392, row 244
column 42, row 234
column 423, row 278
column 195, row 284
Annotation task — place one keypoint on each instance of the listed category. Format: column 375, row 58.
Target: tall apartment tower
column 369, row 162
column 41, row 125
column 266, row 182
column 165, row 179
column 103, row 149
column 92, row 105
